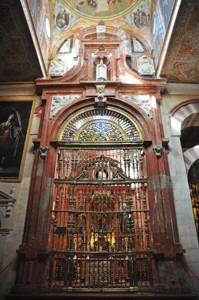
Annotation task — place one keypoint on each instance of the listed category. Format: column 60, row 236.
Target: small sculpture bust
column 101, row 71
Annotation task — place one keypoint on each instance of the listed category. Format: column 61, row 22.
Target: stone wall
column 184, row 212
column 12, row 237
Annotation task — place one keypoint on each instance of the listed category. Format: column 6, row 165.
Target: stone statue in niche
column 145, row 66
column 101, row 71
column 57, row 67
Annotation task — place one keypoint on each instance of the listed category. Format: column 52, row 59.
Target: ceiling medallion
column 101, row 9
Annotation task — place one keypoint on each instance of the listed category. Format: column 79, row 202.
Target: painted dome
column 101, row 9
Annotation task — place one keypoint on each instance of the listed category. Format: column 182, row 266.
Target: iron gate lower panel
column 98, row 270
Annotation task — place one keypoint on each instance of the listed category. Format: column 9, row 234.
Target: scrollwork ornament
column 158, row 151
column 43, row 150
column 142, row 101
column 60, row 101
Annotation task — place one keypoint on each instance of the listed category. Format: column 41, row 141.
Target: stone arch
column 185, row 114
column 190, row 156
column 95, row 123
column 183, row 110
column 137, row 113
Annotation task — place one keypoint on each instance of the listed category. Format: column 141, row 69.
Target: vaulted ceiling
column 27, row 47
column 18, row 58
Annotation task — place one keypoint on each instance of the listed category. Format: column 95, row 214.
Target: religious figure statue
column 101, row 71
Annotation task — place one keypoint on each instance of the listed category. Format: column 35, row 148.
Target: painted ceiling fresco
column 144, row 21
column 133, row 15
column 101, row 9
column 182, row 62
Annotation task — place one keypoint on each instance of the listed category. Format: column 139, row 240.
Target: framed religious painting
column 15, row 120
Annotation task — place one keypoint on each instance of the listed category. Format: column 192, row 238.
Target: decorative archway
column 186, row 114
column 100, row 233
column 190, row 156
column 184, row 109
column 95, row 124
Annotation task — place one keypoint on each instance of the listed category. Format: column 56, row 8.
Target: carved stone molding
column 158, row 150
column 101, row 30
column 142, row 102
column 145, row 66
column 6, row 204
column 43, row 150
column 75, row 51
column 100, row 100
column 60, row 101
column 127, row 50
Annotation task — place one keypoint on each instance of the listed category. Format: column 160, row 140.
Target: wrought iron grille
column 193, row 178
column 194, row 189
column 100, row 235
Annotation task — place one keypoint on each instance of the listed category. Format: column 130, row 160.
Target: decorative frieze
column 60, row 101
column 142, row 102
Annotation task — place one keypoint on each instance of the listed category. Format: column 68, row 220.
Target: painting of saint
column 14, row 121
column 140, row 17
column 62, row 19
